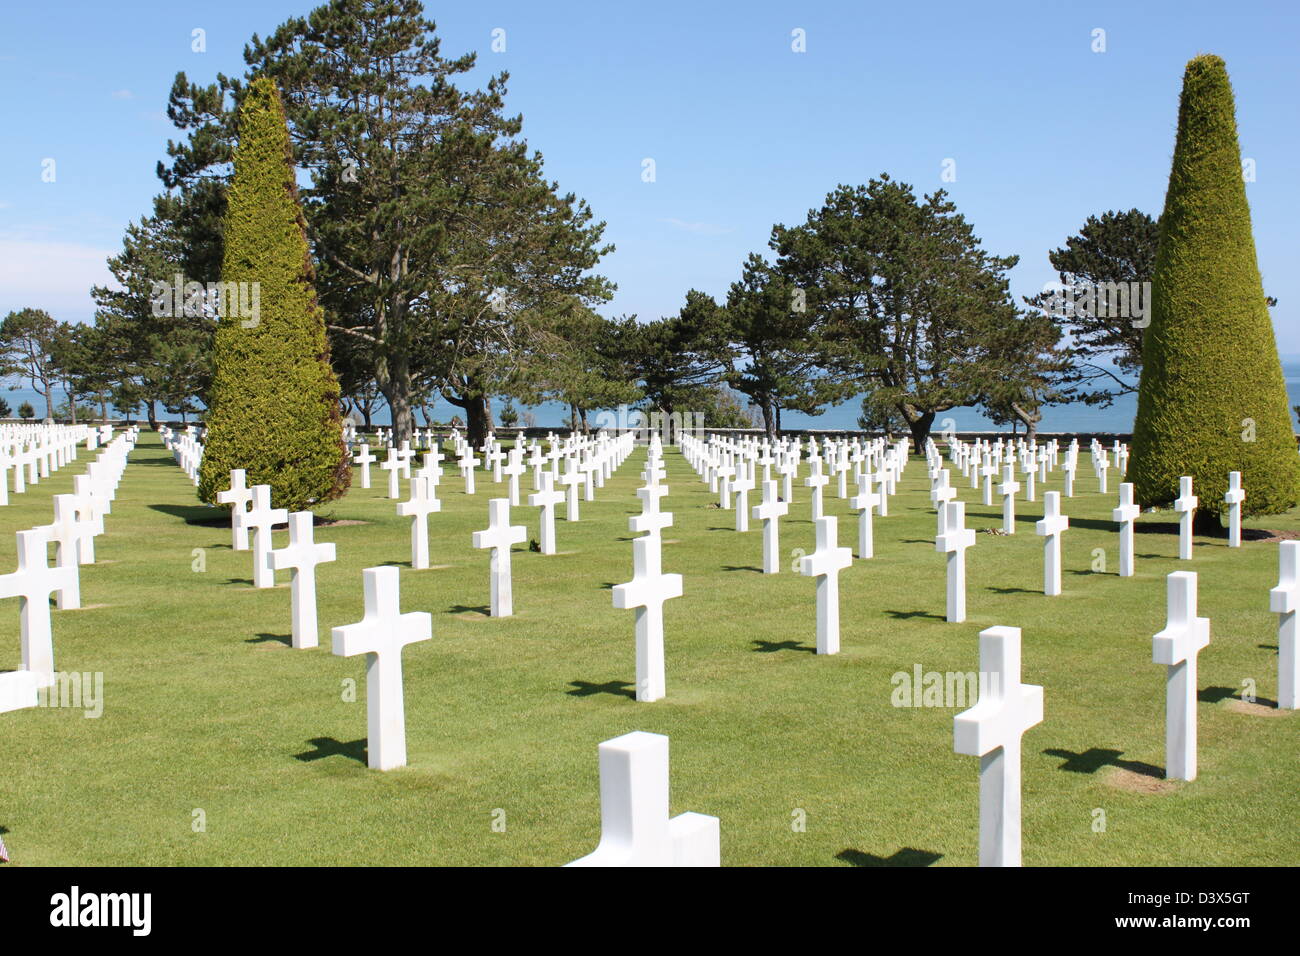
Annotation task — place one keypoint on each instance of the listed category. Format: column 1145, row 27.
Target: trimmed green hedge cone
column 1212, row 398
column 275, row 401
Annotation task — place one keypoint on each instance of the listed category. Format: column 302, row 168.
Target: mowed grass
column 207, row 709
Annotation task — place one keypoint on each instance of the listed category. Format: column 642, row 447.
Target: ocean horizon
column 1073, row 418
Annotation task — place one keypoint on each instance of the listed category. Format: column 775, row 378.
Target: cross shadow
column 724, row 528
column 619, row 688
column 1212, row 695
column 1093, row 759
column 907, row 856
column 769, row 647
column 484, row 609
column 905, row 615
column 741, row 567
column 285, row 639
column 395, row 564
column 196, row 514
column 1267, row 647
column 997, row 590
column 248, row 581
column 329, row 747
column 918, row 541
column 608, row 586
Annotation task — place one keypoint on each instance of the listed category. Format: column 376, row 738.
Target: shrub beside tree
column 1212, row 398
column 275, row 400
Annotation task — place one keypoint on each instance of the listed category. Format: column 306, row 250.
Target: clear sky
column 744, row 131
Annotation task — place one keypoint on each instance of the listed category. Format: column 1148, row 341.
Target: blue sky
column 744, row 131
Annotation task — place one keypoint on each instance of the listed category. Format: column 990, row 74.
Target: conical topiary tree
column 1212, row 398
column 274, row 401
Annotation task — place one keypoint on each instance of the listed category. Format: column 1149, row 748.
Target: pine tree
column 275, row 401
column 1212, row 398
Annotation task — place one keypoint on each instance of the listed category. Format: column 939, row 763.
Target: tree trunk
column 394, row 379
column 49, row 404
column 768, row 409
column 153, row 414
column 919, row 425
column 103, row 409
column 72, row 406
column 1031, row 421
column 478, row 419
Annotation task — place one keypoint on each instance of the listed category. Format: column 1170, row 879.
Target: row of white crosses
column 381, row 633
column 186, row 447
column 34, row 452
column 649, row 587
column 637, row 831
column 78, row 517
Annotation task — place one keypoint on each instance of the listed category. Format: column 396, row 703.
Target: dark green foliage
column 275, row 401
column 1212, row 397
column 25, row 411
column 1116, row 247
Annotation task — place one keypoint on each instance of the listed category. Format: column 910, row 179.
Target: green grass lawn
column 207, row 708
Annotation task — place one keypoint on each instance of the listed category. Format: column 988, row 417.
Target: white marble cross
column 989, row 472
column 33, row 582
column 940, row 495
column 546, row 499
column 1051, row 527
column 647, row 592
column 825, row 564
column 238, row 497
column 498, row 537
column 864, row 502
column 1069, row 468
column 381, row 634
column 1029, row 469
column 1185, row 504
column 817, row 482
column 991, row 730
column 571, row 479
column 954, row 541
column 1233, row 498
column 68, row 531
column 302, row 555
column 651, row 520
column 363, row 457
column 1183, row 637
column 635, row 829
column 769, row 512
column 422, row 504
column 513, row 471
column 741, row 487
column 261, row 518
column 1126, row 514
column 467, row 463
column 1008, row 490
column 394, row 466
column 1284, row 600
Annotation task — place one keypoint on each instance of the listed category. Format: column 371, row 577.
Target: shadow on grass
column 1093, row 759
column 906, row 615
column 197, row 514
column 1267, row 647
column 997, row 590
column 330, row 747
column 395, row 564
column 771, row 647
column 907, row 856
column 484, row 609
column 285, row 639
column 246, row 581
column 741, row 567
column 619, row 688
column 1213, row 695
